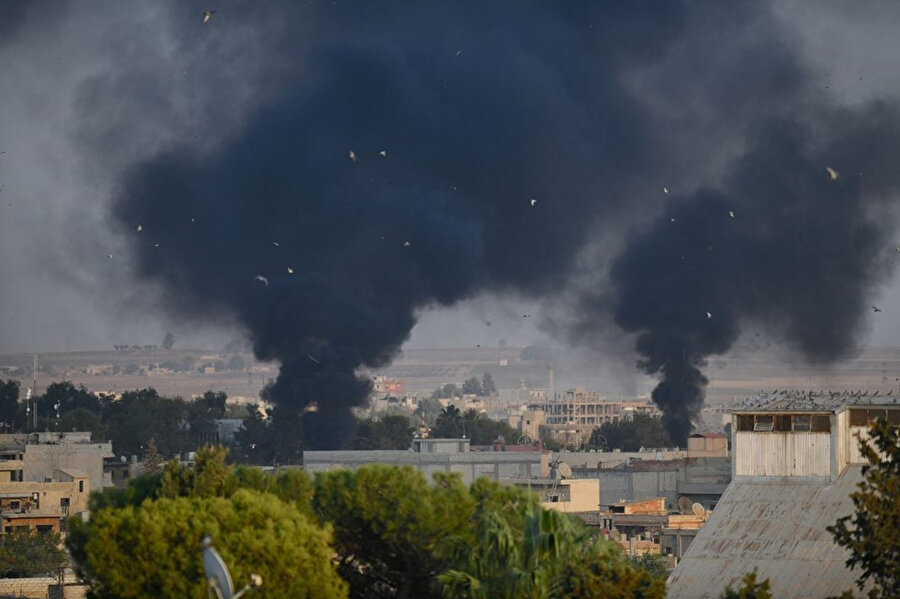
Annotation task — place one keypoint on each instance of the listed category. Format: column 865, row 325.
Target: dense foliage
column 631, row 435
column 25, row 553
column 380, row 531
column 474, row 425
column 871, row 533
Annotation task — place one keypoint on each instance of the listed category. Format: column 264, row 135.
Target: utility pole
column 34, row 370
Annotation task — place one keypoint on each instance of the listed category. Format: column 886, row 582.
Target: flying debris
column 487, row 322
column 876, row 309
column 313, row 359
column 731, row 213
column 406, row 244
column 109, row 256
column 672, row 219
column 262, row 280
column 832, row 173
column 276, row 244
column 526, row 316
column 708, row 316
column 207, row 15
column 140, row 228
column 458, row 52
column 290, row 270
column 533, row 202
column 351, row 155
column 383, row 153
column 665, row 190
column 156, row 245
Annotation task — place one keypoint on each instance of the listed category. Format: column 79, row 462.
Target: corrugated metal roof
column 814, row 401
column 777, row 527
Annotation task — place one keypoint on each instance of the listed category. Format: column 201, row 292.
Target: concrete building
column 42, row 454
column 707, row 445
column 439, row 455
column 570, row 416
column 569, row 495
column 43, row 505
column 795, row 463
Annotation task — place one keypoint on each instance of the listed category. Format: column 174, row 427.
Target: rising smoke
column 457, row 116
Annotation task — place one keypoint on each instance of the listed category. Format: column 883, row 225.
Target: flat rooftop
column 815, row 401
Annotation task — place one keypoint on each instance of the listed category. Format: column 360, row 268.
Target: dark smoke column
column 393, row 171
column 797, row 241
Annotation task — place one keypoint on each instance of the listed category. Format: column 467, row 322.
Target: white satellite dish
column 698, row 509
column 216, row 571
column 565, row 471
column 217, row 577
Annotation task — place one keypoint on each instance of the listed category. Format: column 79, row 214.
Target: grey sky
column 60, row 290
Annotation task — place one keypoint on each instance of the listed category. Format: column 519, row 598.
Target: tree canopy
column 642, row 430
column 386, row 531
column 871, row 532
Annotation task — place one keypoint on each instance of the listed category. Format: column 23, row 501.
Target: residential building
column 795, row 462
column 439, row 455
column 570, row 416
column 44, row 453
column 40, row 505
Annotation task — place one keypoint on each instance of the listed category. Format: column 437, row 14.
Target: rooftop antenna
column 218, row 579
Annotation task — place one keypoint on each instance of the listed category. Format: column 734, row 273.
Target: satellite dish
column 216, row 571
column 684, row 505
column 564, row 470
column 698, row 509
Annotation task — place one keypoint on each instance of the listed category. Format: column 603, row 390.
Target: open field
column 732, row 377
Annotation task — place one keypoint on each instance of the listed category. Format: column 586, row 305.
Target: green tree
column 9, row 401
column 448, row 424
column 389, row 526
column 750, row 589
column 68, row 397
column 390, row 432
column 208, row 478
column 630, row 435
column 153, row 460
column 25, row 553
column 428, row 410
column 153, row 550
column 653, row 563
column 547, row 555
column 871, row 532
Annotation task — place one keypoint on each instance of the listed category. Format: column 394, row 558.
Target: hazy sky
column 89, row 88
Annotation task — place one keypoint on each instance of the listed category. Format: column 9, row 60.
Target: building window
column 782, row 423
column 863, row 417
column 857, row 417
column 764, row 423
column 821, row 423
column 81, row 486
column 745, row 423
column 801, row 422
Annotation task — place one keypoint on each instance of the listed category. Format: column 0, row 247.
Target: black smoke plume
column 795, row 238
column 395, row 170
column 396, row 147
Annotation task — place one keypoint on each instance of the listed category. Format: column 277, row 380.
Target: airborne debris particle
column 351, row 155
column 832, row 173
column 262, row 280
column 207, row 15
